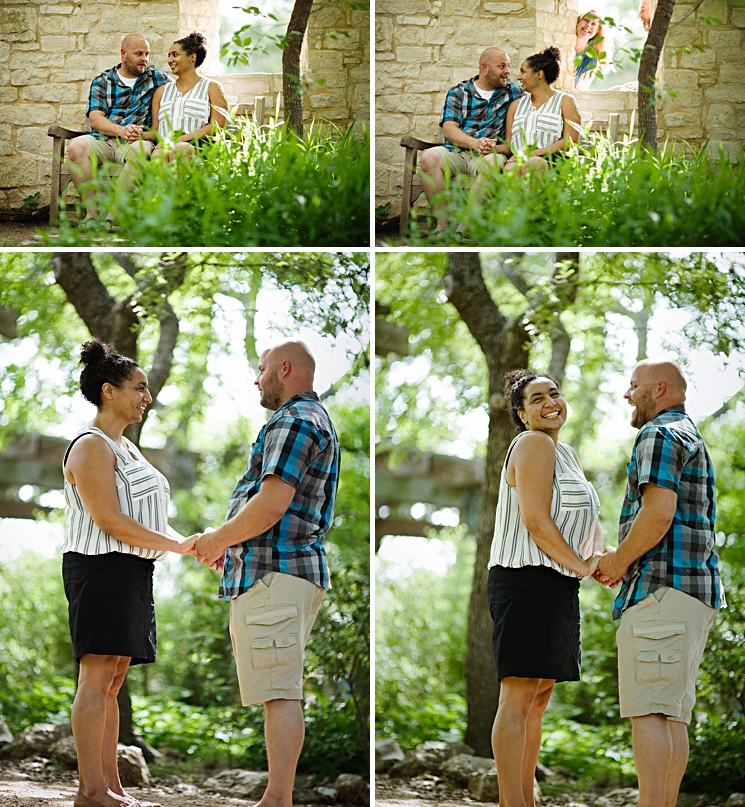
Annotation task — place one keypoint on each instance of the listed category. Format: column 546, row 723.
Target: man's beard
column 643, row 411
column 272, row 393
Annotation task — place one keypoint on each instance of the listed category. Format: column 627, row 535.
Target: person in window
column 594, row 48
column 543, row 118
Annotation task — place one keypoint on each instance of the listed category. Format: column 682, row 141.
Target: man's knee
column 432, row 162
column 79, row 151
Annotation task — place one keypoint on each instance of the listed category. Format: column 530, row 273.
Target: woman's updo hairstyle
column 194, row 43
column 548, row 61
column 514, row 391
column 102, row 364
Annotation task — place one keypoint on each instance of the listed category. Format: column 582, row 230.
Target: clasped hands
column 205, row 547
column 484, row 145
column 131, row 132
column 606, row 568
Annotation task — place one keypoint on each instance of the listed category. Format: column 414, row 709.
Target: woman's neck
column 539, row 95
column 187, row 80
column 111, row 426
column 581, row 44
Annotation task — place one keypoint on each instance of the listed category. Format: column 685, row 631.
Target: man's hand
column 484, row 145
column 186, row 546
column 131, row 132
column 209, row 549
column 610, row 569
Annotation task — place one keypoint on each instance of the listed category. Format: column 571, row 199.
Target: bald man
column 275, row 573
column 671, row 585
column 119, row 114
column 473, row 125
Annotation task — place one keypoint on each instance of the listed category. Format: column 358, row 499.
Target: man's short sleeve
column 660, row 458
column 97, row 97
column 290, row 444
column 453, row 109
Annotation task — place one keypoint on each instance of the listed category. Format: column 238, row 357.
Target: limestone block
column 409, row 35
column 720, row 118
column 503, row 8
column 437, row 36
column 426, row 127
column 732, row 93
column 19, row 46
column 413, row 20
column 28, row 114
column 385, row 57
column 361, row 96
column 17, row 172
column 730, row 73
column 18, row 24
column 681, row 79
column 462, row 8
column 4, row 51
column 326, row 60
column 360, row 74
column 71, row 116
column 724, row 39
column 397, row 7
column 20, row 77
column 361, row 19
column 396, row 180
column 407, row 53
column 683, row 35
column 34, row 140
column 399, row 70
column 341, row 42
column 415, row 104
column 133, row 769
column 56, row 9
column 381, row 186
column 80, row 24
column 52, row 25
column 673, row 119
column 392, row 125
column 59, row 44
column 383, row 33
column 731, row 149
column 8, row 95
column 52, row 93
column 388, row 150
column 714, row 8
column 474, row 33
column 738, row 17
column 697, row 60
column 84, row 62
column 324, row 100
column 388, row 86
column 328, row 17
column 22, row 61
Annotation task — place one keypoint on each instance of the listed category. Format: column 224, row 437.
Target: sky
column 233, row 393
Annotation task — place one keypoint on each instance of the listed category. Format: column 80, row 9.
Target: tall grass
column 258, row 186
column 606, row 196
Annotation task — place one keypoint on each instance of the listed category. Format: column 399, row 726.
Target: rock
column 328, row 795
column 623, row 797
column 461, row 766
column 735, row 800
column 387, row 752
column 239, row 783
column 483, row 786
column 305, row 795
column 428, row 758
column 352, row 789
column 133, row 770
column 37, row 740
column 6, row 737
column 542, row 773
column 64, row 751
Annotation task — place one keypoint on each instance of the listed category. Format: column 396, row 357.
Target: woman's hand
column 592, row 563
column 186, row 546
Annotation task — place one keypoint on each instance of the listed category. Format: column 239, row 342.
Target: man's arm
column 455, row 135
column 257, row 516
column 100, row 123
column 650, row 524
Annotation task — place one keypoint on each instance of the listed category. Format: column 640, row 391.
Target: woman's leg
column 111, row 730
column 89, row 719
column 514, row 736
column 533, row 738
column 181, row 151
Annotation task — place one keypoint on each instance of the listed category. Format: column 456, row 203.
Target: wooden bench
column 412, row 183
column 61, row 178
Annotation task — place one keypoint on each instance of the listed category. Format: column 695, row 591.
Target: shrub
column 607, row 197
column 259, row 186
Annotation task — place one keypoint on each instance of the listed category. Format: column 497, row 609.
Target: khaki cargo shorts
column 113, row 150
column 661, row 642
column 269, row 627
column 464, row 162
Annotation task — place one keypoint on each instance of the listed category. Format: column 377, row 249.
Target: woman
column 192, row 104
column 116, row 506
column 545, row 118
column 545, row 537
column 590, row 37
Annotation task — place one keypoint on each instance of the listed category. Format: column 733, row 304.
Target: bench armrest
column 65, row 134
column 414, row 143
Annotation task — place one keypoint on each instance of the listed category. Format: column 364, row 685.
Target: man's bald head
column 285, row 370
column 135, row 55
column 655, row 385
column 494, row 69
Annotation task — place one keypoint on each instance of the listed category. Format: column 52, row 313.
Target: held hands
column 131, row 132
column 207, row 550
column 610, row 570
column 484, row 145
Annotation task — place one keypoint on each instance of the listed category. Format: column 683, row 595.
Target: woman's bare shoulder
column 534, row 445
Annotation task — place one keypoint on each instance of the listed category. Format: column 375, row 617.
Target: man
column 275, row 573
column 671, row 584
column 119, row 115
column 473, row 124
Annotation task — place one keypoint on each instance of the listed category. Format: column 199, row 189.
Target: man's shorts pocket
column 659, row 645
column 274, row 635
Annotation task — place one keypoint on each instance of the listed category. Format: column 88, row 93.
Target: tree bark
column 647, row 72
column 291, row 88
column 505, row 344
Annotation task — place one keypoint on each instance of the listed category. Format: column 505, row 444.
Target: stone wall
column 51, row 49
column 423, row 47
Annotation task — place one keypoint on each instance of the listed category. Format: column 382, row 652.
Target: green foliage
column 606, row 197
column 258, row 186
column 420, row 646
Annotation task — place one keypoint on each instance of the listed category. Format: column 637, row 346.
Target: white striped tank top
column 184, row 113
column 575, row 508
column 537, row 127
column 143, row 494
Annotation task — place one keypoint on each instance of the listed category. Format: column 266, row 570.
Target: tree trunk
column 647, row 72
column 505, row 344
column 291, row 88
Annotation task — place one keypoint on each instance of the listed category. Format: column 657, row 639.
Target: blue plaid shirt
column 669, row 452
column 122, row 104
column 474, row 115
column 299, row 445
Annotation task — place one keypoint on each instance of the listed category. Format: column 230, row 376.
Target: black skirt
column 536, row 623
column 111, row 606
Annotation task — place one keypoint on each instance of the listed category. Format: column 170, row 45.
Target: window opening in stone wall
column 263, row 28
column 627, row 38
